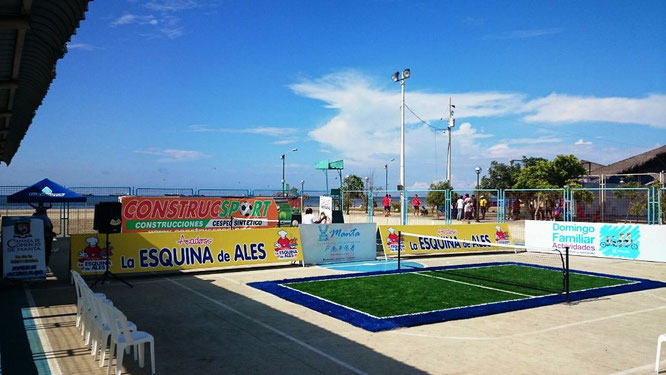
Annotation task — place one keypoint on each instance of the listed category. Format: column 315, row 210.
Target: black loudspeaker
column 338, row 217
column 108, row 217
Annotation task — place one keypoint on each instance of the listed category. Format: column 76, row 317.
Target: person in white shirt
column 308, row 218
column 459, row 205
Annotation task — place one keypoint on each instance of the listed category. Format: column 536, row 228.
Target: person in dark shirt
column 49, row 235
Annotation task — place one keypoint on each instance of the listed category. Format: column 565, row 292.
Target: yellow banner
column 172, row 251
column 488, row 234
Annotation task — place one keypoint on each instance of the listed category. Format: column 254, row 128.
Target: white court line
column 655, row 296
column 642, row 369
column 474, row 285
column 43, row 337
column 228, row 279
column 531, row 332
column 329, row 301
column 274, row 330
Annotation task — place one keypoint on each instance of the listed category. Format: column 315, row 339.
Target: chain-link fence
column 156, row 192
column 534, row 204
column 223, row 192
column 590, row 204
column 610, row 205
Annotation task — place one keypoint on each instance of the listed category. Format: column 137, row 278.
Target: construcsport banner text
column 485, row 233
column 172, row 251
column 146, row 214
column 627, row 241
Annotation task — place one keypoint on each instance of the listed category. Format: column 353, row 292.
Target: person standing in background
column 416, row 202
column 483, row 204
column 49, row 235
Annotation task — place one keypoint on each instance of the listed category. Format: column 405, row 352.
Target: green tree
column 436, row 194
column 500, row 176
column 543, row 174
column 637, row 199
column 352, row 187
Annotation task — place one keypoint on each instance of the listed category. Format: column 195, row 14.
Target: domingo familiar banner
column 170, row 251
column 487, row 234
column 627, row 241
column 146, row 214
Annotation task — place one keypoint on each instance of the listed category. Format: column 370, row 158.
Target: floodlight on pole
column 396, row 77
column 283, row 157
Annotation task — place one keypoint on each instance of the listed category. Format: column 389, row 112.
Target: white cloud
column 556, row 108
column 582, row 142
column 284, row 141
column 532, row 141
column 82, row 46
column 418, row 185
column 128, row 19
column 164, row 20
column 262, row 130
column 173, row 155
column 171, row 5
column 365, row 129
column 524, row 34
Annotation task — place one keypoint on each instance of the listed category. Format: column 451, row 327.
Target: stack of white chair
column 100, row 321
column 660, row 340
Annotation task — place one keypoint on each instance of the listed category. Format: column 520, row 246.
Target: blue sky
column 193, row 93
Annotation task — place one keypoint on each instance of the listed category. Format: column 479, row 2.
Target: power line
column 422, row 120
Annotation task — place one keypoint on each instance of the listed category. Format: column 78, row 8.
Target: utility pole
column 452, row 123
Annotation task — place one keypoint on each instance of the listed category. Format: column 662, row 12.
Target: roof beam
column 9, row 84
column 14, row 23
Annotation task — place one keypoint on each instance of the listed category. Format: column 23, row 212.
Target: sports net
column 531, row 271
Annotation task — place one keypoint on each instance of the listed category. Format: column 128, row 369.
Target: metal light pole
column 386, row 173
column 452, row 123
column 396, row 77
column 283, row 157
column 478, row 172
column 302, row 183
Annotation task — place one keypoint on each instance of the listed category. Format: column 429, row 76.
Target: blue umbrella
column 45, row 191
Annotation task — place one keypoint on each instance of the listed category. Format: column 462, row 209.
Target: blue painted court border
column 374, row 324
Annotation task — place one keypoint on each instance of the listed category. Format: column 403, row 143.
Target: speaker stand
column 108, row 273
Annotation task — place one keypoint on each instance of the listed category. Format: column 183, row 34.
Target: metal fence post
column 370, row 207
column 404, row 206
column 500, row 206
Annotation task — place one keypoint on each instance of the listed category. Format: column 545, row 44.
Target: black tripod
column 108, row 273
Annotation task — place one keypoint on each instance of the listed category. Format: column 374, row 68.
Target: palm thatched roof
column 653, row 161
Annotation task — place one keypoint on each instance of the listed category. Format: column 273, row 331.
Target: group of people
column 541, row 209
column 466, row 207
column 309, row 217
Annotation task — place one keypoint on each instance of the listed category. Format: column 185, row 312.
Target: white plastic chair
column 79, row 283
column 102, row 332
column 92, row 315
column 660, row 340
column 122, row 338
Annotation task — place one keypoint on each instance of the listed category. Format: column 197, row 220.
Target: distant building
column 645, row 168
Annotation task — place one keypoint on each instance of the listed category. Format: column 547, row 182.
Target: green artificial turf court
column 397, row 294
